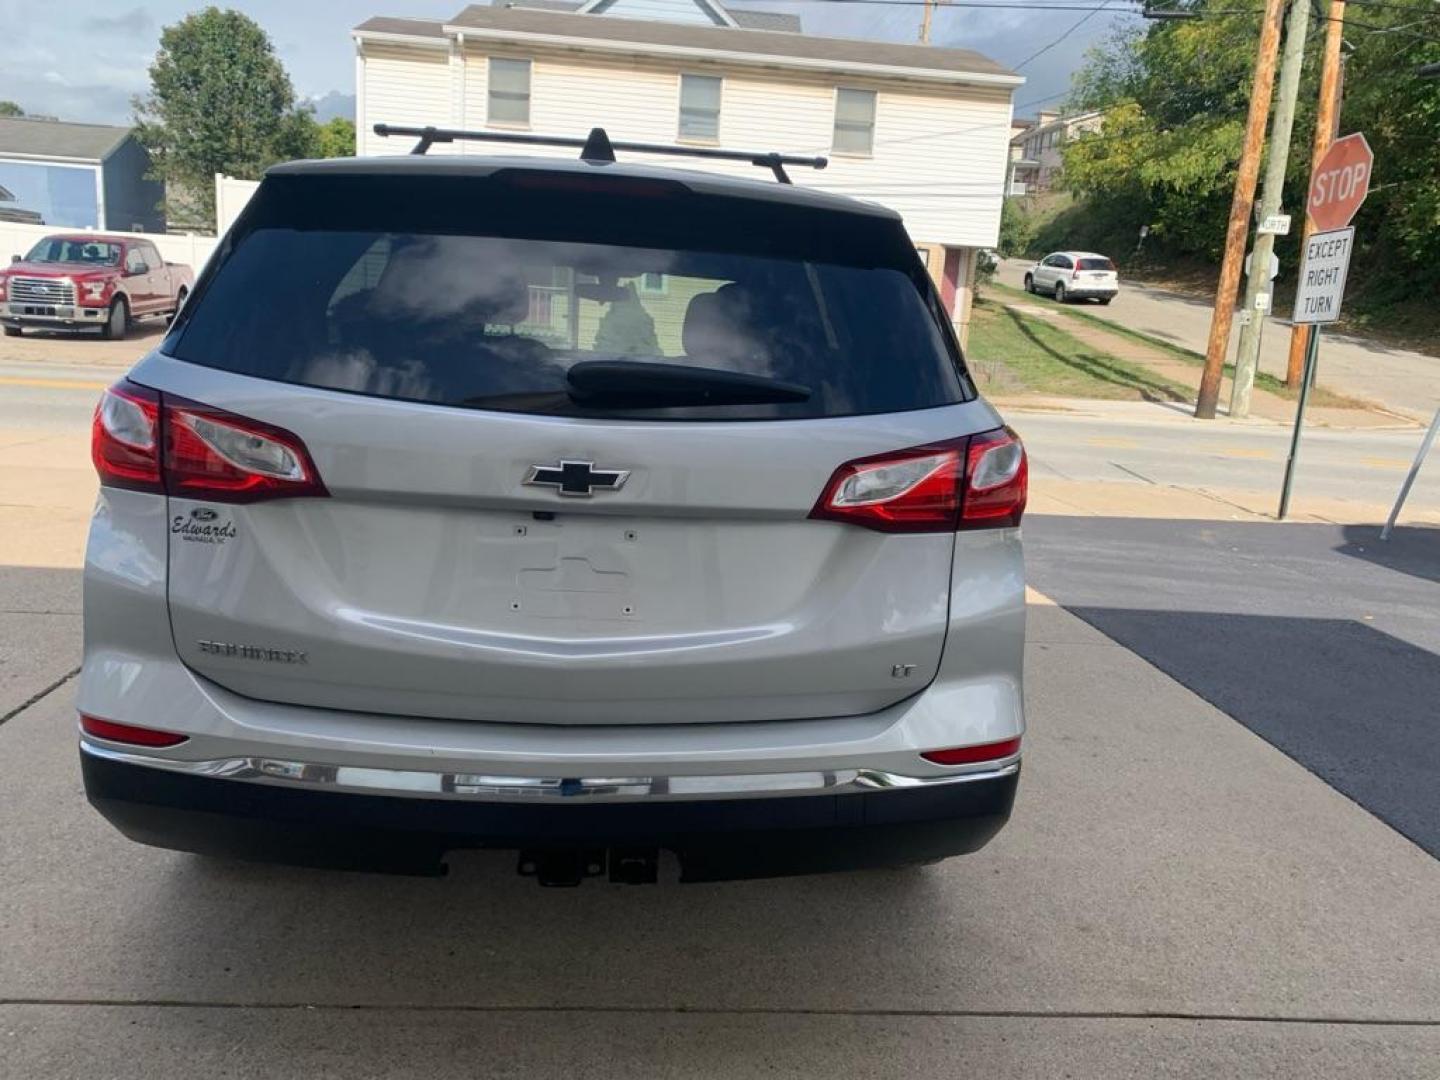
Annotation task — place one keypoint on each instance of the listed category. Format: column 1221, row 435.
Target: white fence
column 17, row 239
column 231, row 195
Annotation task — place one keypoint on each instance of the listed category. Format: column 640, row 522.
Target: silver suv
column 590, row 512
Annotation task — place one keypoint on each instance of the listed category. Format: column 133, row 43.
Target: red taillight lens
column 146, row 441
column 128, row 733
column 125, row 438
column 216, row 455
column 914, row 490
column 971, row 755
column 997, row 481
column 971, row 483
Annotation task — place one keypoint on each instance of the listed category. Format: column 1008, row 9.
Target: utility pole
column 1327, row 126
column 1247, row 356
column 1240, row 207
column 930, row 6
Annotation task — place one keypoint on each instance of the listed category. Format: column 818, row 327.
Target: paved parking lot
column 1173, row 896
column 1183, row 891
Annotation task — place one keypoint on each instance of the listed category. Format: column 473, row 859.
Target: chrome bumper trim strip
column 481, row 786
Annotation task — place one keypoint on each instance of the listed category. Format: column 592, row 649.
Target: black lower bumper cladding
column 714, row 840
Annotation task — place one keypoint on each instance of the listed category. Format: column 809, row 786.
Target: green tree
column 336, row 138
column 219, row 102
column 1175, row 96
column 9, row 108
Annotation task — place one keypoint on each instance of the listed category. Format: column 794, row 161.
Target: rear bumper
column 840, row 827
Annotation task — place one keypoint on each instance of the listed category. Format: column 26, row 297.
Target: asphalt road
column 1402, row 381
column 1344, row 474
column 1119, row 442
column 1322, row 640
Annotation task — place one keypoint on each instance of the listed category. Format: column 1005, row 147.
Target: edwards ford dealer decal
column 202, row 527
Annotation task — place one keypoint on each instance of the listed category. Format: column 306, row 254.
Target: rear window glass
column 1096, row 264
column 477, row 313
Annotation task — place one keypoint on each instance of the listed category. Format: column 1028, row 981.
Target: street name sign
column 1340, row 183
column 1322, row 276
column 1275, row 225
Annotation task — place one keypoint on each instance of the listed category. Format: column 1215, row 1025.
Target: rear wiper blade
column 634, row 382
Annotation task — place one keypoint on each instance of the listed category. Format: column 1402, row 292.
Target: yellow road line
column 1245, row 452
column 1385, row 463
column 1117, row 442
column 52, row 384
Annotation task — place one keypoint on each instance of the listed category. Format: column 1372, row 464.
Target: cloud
column 135, row 22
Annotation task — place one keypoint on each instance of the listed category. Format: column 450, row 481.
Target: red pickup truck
column 90, row 280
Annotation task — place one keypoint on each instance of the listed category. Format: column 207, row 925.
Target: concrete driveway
column 1402, row 381
column 1175, row 895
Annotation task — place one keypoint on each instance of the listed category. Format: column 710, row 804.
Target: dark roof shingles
column 58, row 139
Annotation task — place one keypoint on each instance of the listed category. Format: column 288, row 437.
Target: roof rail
column 597, row 148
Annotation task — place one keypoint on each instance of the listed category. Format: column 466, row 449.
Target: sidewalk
column 1264, row 405
column 1399, row 380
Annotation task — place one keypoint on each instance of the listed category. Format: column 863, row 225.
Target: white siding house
column 923, row 130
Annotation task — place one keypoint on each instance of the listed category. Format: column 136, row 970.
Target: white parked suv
column 569, row 507
column 1074, row 275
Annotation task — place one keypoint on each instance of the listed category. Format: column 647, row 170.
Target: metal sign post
column 1425, row 445
column 1311, row 350
column 1317, row 301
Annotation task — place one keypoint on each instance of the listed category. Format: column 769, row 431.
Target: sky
column 87, row 65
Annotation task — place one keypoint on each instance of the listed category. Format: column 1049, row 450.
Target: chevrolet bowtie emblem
column 579, row 479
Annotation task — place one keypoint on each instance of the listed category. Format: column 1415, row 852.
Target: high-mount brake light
column 974, row 482
column 147, row 441
column 600, row 184
column 129, row 733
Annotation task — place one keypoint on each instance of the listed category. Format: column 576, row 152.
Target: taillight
column 975, row 482
column 125, row 438
column 997, row 481
column 972, row 755
column 216, row 455
column 128, row 733
column 147, row 441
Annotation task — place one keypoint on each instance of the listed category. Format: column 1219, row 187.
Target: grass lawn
column 1268, row 383
column 1012, row 352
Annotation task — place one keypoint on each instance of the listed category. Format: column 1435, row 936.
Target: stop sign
column 1340, row 183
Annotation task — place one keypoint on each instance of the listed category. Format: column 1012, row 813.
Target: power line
column 1078, row 23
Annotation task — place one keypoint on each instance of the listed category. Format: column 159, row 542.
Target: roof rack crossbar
column 597, row 147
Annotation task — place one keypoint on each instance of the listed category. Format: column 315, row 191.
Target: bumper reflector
column 970, row 755
column 128, row 733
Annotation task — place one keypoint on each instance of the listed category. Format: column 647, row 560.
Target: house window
column 509, row 91
column 854, row 121
column 700, row 108
column 653, row 285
